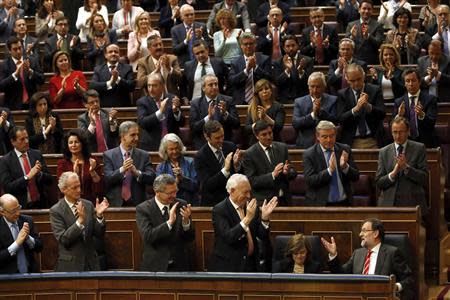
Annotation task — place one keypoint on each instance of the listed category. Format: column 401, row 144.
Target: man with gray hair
column 18, row 239
column 166, row 229
column 309, row 110
column 328, row 169
column 128, row 170
column 238, row 222
column 75, row 222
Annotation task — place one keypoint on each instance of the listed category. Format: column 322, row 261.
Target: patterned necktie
column 220, row 157
column 22, row 264
column 251, row 246
column 367, row 263
column 319, row 47
column 32, row 188
column 400, row 150
column 24, row 88
column 249, row 87
column 413, row 118
column 101, row 143
column 271, row 156
column 75, row 210
column 333, row 195
column 276, row 51
column 126, row 183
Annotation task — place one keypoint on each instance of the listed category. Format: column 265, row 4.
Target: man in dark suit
column 185, row 34
column 113, row 80
column 194, row 70
column 212, row 106
column 434, row 69
column 347, row 11
column 19, row 77
column 419, row 108
column 214, row 163
column 374, row 258
column 63, row 41
column 239, row 11
column 23, row 172
column 267, row 166
column 329, row 169
column 360, row 111
column 76, row 223
column 319, row 40
column 247, row 69
column 29, row 43
column 169, row 17
column 238, row 222
column 291, row 72
column 263, row 16
column 166, row 228
column 402, row 174
column 6, row 123
column 367, row 34
column 309, row 110
column 158, row 114
column 128, row 170
column 336, row 73
column 9, row 13
column 99, row 125
column 18, row 239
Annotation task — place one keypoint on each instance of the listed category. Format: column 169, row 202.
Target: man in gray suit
column 127, row 169
column 75, row 222
column 402, row 173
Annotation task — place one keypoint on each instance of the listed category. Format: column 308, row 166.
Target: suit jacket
column 328, row 53
column 258, row 169
column 443, row 85
column 76, row 54
column 13, row 89
column 334, row 82
column 346, row 15
column 237, row 77
column 263, row 12
column 287, row 266
column 230, row 253
column 265, row 45
column 5, row 143
column 199, row 110
column 180, row 49
column 390, row 261
column 8, row 263
column 76, row 246
column 349, row 121
column 119, row 94
column 166, row 22
column 110, row 136
column 426, row 126
column 212, row 180
column 367, row 49
column 161, row 244
column 318, row 179
column 145, row 66
column 220, row 70
column 408, row 188
column 96, row 55
column 113, row 160
column 37, row 138
column 398, row 86
column 12, row 177
column 305, row 124
column 295, row 85
column 239, row 11
column 152, row 126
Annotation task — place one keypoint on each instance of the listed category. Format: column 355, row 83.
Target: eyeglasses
column 366, row 230
column 248, row 44
column 13, row 211
column 171, row 193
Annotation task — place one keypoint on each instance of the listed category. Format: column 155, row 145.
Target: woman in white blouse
column 125, row 17
column 84, row 16
column 388, row 9
column 226, row 44
column 137, row 40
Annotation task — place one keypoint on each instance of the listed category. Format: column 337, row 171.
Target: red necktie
column 319, row 47
column 101, row 144
column 126, row 183
column 367, row 262
column 24, row 88
column 32, row 188
column 276, row 52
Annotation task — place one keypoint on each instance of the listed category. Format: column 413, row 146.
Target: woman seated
column 171, row 150
column 67, row 86
column 43, row 126
column 226, row 44
column 78, row 159
column 98, row 38
column 46, row 19
column 298, row 257
column 265, row 107
column 85, row 13
column 389, row 74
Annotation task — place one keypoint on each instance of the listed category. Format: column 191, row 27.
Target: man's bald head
column 9, row 207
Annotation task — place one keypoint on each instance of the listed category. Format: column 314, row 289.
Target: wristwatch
column 26, row 178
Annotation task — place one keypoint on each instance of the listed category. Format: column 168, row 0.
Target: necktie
column 32, row 188
column 362, row 128
column 413, row 118
column 271, row 156
column 249, row 87
column 101, row 143
column 333, row 195
column 64, row 46
column 319, row 47
column 367, row 262
column 191, row 41
column 220, row 157
column 276, row 51
column 251, row 246
column 344, row 83
column 24, row 88
column 164, row 128
column 126, row 183
column 203, row 73
column 165, row 213
column 400, row 149
column 363, row 27
column 22, row 264
column 74, row 210
column 445, row 38
column 111, row 68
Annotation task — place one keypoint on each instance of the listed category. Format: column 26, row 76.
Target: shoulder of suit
column 329, row 97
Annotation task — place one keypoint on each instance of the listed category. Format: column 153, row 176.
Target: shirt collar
column 123, row 151
column 320, row 28
column 207, row 63
column 404, row 145
column 414, row 95
column 234, row 204
column 69, row 203
column 213, row 149
column 14, row 60
column 323, row 149
column 18, row 153
column 59, row 36
column 9, row 223
column 264, row 147
column 160, row 205
column 376, row 249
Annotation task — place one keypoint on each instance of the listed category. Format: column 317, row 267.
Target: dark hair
column 260, row 125
column 400, row 120
column 86, row 5
column 152, row 38
column 411, row 71
column 13, row 131
column 289, row 37
column 55, row 58
column 200, row 42
column 112, row 44
column 12, row 40
column 400, row 12
column 61, row 18
column 366, row 1
column 296, row 244
column 20, row 18
column 84, row 144
column 35, row 99
column 42, row 12
column 211, row 127
column 376, row 225
column 90, row 93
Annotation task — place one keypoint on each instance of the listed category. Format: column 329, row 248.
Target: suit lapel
column 263, row 155
column 380, row 260
column 156, row 212
column 232, row 212
column 7, row 231
column 322, row 160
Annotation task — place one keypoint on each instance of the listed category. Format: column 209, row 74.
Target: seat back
column 400, row 241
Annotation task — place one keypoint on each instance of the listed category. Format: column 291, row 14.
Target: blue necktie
column 22, row 264
column 333, row 196
column 413, row 118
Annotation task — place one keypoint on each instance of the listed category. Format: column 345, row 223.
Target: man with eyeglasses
column 18, row 239
column 374, row 258
column 402, row 174
column 166, row 228
column 441, row 30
